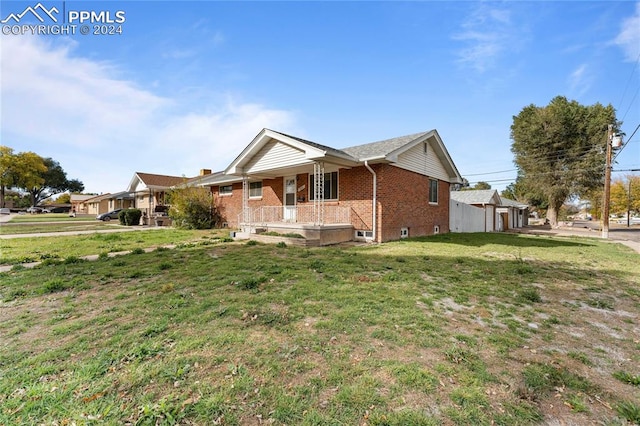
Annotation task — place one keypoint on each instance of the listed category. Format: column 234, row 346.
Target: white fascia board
column 236, row 167
column 393, row 155
column 135, row 181
column 445, row 158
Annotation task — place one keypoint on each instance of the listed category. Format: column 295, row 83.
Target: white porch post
column 318, row 192
column 245, row 199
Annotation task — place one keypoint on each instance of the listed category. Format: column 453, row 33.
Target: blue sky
column 187, row 85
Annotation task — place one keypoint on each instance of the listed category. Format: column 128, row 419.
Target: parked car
column 5, row 211
column 34, row 209
column 632, row 220
column 109, row 215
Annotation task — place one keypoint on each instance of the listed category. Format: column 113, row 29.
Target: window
column 330, row 186
column 226, row 189
column 433, row 191
column 255, row 189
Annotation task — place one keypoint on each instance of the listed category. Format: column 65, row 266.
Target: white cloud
column 487, row 34
column 580, row 80
column 629, row 37
column 102, row 128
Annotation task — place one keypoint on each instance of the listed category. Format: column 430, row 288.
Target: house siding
column 274, row 155
column 417, row 161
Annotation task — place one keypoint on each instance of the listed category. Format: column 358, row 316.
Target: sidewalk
column 95, row 231
column 578, row 232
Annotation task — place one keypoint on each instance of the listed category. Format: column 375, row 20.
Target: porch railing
column 295, row 214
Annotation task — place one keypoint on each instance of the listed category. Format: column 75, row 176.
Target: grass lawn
column 464, row 329
column 52, row 222
column 51, row 217
column 35, row 249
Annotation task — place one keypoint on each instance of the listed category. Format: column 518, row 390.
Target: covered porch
column 318, row 225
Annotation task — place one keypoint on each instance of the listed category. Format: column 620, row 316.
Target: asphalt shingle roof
column 150, row 179
column 380, row 148
column 476, row 196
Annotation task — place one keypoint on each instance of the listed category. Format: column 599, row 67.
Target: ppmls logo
column 38, row 11
column 70, row 22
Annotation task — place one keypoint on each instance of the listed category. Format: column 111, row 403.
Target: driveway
column 591, row 229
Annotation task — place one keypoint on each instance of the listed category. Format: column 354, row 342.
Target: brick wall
column 402, row 199
column 229, row 206
column 403, row 202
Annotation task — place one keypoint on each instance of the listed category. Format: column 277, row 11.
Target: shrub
column 53, row 286
column 192, row 208
column 130, row 217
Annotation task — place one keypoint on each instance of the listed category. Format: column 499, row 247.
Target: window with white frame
column 433, row 191
column 255, row 189
column 330, row 186
column 226, row 189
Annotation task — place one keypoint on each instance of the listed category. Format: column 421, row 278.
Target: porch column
column 318, row 192
column 245, row 199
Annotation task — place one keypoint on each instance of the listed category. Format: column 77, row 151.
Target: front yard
column 466, row 329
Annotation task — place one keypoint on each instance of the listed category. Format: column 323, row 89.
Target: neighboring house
column 486, row 219
column 78, row 203
column 149, row 190
column 108, row 202
column 379, row 191
column 98, row 204
column 485, row 211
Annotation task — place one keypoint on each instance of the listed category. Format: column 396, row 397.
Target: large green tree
column 560, row 149
column 54, row 181
column 22, row 170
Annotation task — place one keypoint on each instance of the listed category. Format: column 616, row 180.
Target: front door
column 290, row 199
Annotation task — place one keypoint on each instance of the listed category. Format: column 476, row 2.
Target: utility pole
column 607, row 186
column 629, row 205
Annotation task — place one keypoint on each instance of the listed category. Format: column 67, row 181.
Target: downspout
column 375, row 193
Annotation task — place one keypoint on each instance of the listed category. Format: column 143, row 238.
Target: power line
column 492, row 173
column 624, row 92
column 626, row 143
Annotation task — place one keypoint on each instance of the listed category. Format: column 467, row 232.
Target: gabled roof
column 477, row 196
column 99, row 198
column 381, row 148
column 154, row 181
column 506, row 202
column 325, row 148
column 78, row 198
column 390, row 149
column 311, row 151
column 386, row 150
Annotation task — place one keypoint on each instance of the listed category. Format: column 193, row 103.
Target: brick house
column 379, row 191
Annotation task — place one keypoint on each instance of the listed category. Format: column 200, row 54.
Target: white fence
column 466, row 218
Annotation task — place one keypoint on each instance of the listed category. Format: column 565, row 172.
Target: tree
column 53, row 181
column 192, row 208
column 20, row 170
column 625, row 195
column 64, row 199
column 482, row 185
column 560, row 149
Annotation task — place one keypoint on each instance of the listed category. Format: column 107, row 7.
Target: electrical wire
column 624, row 92
column 626, row 143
